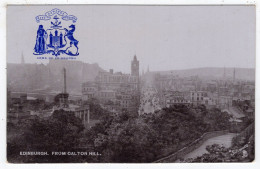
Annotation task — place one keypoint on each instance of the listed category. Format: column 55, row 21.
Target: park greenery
column 116, row 137
column 60, row 132
column 242, row 150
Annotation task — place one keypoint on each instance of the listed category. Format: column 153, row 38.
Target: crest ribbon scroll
column 56, row 39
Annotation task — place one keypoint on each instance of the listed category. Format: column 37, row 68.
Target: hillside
column 28, row 77
column 240, row 73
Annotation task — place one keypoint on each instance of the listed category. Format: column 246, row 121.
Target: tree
column 218, row 120
column 60, row 132
column 122, row 138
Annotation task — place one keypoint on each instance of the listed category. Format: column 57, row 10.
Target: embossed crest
column 56, row 39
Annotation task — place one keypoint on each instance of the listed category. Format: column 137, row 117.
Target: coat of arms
column 53, row 38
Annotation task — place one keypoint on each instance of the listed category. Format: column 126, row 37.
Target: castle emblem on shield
column 53, row 37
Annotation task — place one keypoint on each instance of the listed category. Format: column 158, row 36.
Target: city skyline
column 150, row 84
column 163, row 37
column 145, row 69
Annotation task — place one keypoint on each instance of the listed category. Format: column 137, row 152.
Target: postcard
column 131, row 83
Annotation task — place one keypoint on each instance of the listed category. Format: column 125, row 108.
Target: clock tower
column 135, row 67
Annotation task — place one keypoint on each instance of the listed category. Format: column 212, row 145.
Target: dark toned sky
column 163, row 37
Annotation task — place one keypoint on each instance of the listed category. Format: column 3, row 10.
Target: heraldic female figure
column 40, row 46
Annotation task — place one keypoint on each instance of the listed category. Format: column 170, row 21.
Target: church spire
column 234, row 75
column 22, row 59
column 224, row 75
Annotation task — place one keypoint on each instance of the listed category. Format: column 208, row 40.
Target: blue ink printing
column 56, row 39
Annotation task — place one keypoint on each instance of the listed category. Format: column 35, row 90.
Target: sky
column 163, row 37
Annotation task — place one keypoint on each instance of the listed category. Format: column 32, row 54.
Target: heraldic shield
column 56, row 39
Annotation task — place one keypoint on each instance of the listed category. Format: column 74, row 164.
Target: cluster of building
column 222, row 93
column 114, row 90
column 22, row 105
column 149, row 100
column 117, row 92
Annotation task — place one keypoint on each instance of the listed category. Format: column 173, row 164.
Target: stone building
column 176, row 97
column 121, row 89
column 197, row 97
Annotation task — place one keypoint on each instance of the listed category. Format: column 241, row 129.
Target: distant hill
column 240, row 73
column 49, row 77
column 28, row 77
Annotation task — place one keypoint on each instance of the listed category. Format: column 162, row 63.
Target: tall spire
column 22, row 59
column 135, row 59
column 135, row 66
column 234, row 74
column 64, row 80
column 224, row 75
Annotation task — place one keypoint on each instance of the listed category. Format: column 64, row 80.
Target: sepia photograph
column 130, row 83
